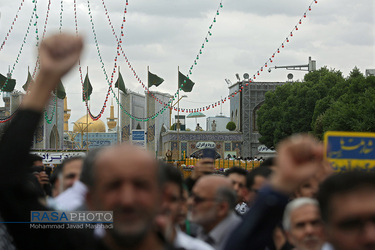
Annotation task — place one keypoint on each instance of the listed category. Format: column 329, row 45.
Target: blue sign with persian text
column 350, row 150
column 139, row 138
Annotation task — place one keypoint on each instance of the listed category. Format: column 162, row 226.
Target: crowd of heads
column 55, row 179
column 149, row 197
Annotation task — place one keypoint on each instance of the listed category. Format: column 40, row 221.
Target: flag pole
column 118, row 109
column 57, row 128
column 148, row 79
column 147, row 100
column 28, row 83
column 178, row 113
column 87, row 118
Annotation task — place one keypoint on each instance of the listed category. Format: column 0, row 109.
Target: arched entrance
column 54, row 138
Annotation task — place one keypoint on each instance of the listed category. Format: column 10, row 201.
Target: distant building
column 243, row 112
column 155, row 127
column 49, row 133
column 192, row 143
column 96, row 139
column 244, row 141
column 134, row 103
column 86, row 131
column 370, row 72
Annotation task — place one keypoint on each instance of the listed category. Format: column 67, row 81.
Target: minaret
column 66, row 115
column 111, row 121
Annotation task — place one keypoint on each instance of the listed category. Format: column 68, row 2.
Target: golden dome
column 94, row 126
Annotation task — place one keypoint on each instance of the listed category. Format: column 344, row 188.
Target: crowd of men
column 292, row 201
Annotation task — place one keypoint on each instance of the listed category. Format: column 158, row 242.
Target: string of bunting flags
column 257, row 74
column 119, row 48
column 59, row 92
column 6, row 83
column 12, row 25
column 265, row 65
column 4, row 86
column 102, row 63
column 188, row 83
column 110, row 82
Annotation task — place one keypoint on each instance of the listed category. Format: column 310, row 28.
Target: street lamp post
column 72, row 137
column 178, row 121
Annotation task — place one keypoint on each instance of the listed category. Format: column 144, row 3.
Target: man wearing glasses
column 212, row 205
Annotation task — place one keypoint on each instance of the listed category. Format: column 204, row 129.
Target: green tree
column 291, row 107
column 355, row 109
column 324, row 101
column 231, row 126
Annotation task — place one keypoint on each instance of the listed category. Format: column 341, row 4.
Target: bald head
column 222, row 188
column 124, row 155
column 126, row 180
column 213, row 198
column 213, row 182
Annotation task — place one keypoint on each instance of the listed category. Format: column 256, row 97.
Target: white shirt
column 189, row 243
column 327, row 246
column 72, row 198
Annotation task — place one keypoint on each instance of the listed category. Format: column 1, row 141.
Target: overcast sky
column 166, row 34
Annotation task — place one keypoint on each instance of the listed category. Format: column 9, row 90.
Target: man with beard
column 169, row 219
column 212, row 203
column 303, row 224
column 126, row 180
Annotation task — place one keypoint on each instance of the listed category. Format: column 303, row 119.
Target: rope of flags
column 181, row 86
column 258, row 72
column 12, row 25
column 4, row 86
column 186, row 84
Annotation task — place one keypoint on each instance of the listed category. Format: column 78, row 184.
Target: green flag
column 10, row 84
column 120, row 83
column 154, row 80
column 185, row 83
column 28, row 81
column 87, row 88
column 60, row 91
